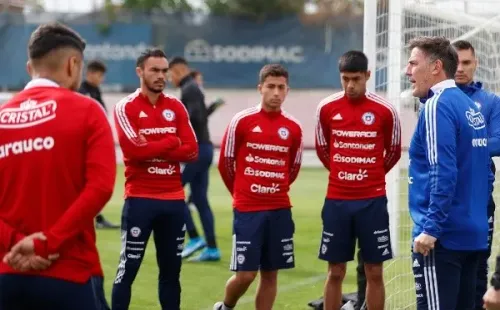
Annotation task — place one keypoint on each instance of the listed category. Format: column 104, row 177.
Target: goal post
column 388, row 27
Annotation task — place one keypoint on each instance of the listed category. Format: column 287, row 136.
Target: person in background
column 212, row 107
column 196, row 173
column 96, row 71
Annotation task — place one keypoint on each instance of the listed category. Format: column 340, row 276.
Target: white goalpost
column 388, row 27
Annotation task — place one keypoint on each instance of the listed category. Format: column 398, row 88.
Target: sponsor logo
column 241, row 249
column 30, row 113
column 353, row 146
column 288, row 247
column 379, row 232
column 354, row 160
column 410, row 180
column 267, row 147
column 383, row 239
column 27, row 146
column 261, row 189
column 169, row 115
column 157, row 131
column 201, row 51
column 162, row 171
column 262, row 160
column 354, row 134
column 134, row 256
column 264, row 174
column 348, row 176
column 368, row 118
column 475, row 119
column 480, row 142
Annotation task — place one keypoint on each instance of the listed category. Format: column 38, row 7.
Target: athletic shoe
column 207, row 255
column 192, row 246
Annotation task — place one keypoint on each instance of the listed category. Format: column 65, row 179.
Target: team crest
column 368, row 118
column 169, row 115
column 283, row 133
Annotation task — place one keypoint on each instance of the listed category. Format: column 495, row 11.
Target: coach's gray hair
column 438, row 48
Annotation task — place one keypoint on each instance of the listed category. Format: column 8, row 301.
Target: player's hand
column 423, row 244
column 492, row 299
column 22, row 255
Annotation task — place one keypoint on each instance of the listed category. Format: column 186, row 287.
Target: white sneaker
column 348, row 306
column 218, row 305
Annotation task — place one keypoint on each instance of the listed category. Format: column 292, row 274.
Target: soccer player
column 354, row 129
column 58, row 169
column 196, row 173
column 261, row 154
column 489, row 105
column 94, row 76
column 449, row 183
column 198, row 77
column 155, row 136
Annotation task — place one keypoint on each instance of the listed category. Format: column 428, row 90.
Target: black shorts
column 344, row 221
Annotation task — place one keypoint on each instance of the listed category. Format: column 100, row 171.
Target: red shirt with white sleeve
column 358, row 141
column 260, row 157
column 154, row 140
column 57, row 171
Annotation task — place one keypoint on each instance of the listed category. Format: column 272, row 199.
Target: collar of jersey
column 41, row 82
column 449, row 83
column 471, row 88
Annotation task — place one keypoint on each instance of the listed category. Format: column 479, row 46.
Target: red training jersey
column 154, row 140
column 358, row 141
column 57, row 171
column 260, row 157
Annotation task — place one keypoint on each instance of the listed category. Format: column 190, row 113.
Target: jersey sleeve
column 440, row 136
column 392, row 139
column 188, row 149
column 134, row 146
column 100, row 175
column 9, row 236
column 494, row 127
column 296, row 155
column 229, row 148
column 322, row 139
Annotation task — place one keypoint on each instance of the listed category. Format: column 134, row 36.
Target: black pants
column 140, row 217
column 22, row 292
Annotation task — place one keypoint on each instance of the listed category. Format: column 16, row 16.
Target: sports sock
column 224, row 307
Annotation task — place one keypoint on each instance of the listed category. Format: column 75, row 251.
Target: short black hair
column 353, row 61
column 194, row 73
column 177, row 60
column 462, row 45
column 438, row 48
column 153, row 52
column 52, row 36
column 275, row 70
column 96, row 66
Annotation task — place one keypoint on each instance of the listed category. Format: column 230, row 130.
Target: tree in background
column 257, row 9
column 165, row 5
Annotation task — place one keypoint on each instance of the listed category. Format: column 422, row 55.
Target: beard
column 154, row 88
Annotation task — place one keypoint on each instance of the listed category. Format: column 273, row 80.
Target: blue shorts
column 263, row 240
column 344, row 221
column 445, row 279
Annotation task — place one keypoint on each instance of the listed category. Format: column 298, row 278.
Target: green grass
column 203, row 284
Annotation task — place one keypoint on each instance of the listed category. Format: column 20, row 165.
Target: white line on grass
column 281, row 289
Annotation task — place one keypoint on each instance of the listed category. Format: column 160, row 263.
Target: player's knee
column 336, row 272
column 246, row 277
column 374, row 273
column 269, row 278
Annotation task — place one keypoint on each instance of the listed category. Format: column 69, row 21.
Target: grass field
column 203, row 283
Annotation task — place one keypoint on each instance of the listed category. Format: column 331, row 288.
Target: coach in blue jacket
column 489, row 105
column 450, row 180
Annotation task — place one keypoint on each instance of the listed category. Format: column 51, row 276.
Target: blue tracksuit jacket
column 449, row 174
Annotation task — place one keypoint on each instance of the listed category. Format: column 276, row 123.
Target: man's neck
column 270, row 109
column 152, row 97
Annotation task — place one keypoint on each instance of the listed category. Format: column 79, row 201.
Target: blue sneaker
column 207, row 255
column 192, row 246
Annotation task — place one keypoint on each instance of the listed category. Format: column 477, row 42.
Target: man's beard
column 153, row 89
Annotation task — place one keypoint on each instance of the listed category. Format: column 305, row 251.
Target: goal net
column 388, row 27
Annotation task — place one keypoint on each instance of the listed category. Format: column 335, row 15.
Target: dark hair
column 96, row 66
column 462, row 45
column 275, row 70
column 177, row 61
column 155, row 52
column 353, row 61
column 438, row 48
column 194, row 73
column 52, row 36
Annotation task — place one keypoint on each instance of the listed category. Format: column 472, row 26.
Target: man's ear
column 138, row 71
